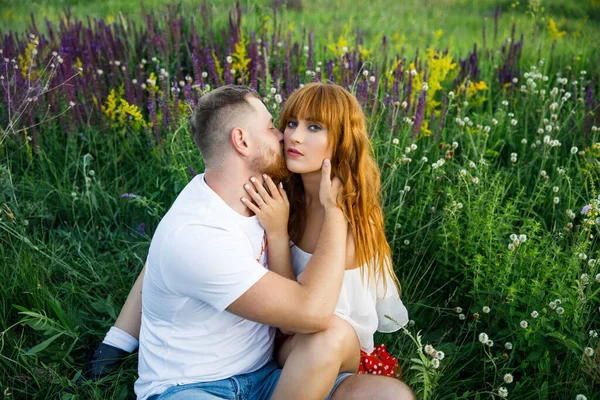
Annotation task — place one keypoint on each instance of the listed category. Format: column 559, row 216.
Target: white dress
column 363, row 305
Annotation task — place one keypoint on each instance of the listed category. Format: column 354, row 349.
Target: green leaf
column 42, row 346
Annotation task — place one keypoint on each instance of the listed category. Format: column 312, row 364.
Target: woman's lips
column 293, row 153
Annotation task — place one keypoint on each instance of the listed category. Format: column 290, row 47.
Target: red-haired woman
column 325, row 121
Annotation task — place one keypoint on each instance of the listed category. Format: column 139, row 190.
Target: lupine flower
column 129, row 196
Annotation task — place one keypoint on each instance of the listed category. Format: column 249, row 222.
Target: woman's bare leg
column 313, row 361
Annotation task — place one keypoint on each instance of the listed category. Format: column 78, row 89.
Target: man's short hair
column 215, row 115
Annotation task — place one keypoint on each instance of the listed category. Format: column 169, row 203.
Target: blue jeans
column 257, row 385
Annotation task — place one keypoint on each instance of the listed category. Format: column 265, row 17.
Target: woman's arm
column 273, row 210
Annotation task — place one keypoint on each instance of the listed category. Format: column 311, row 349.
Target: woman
column 324, row 121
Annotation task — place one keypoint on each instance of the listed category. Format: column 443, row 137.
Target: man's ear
column 239, row 139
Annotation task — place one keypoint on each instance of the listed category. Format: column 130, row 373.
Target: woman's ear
column 239, row 139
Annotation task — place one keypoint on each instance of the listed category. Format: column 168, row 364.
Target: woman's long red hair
column 353, row 163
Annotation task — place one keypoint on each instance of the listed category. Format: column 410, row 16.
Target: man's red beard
column 271, row 163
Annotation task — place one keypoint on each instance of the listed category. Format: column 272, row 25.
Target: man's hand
column 272, row 209
column 329, row 188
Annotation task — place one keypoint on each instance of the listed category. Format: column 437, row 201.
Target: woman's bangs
column 315, row 102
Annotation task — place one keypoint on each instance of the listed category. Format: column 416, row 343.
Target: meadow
column 484, row 118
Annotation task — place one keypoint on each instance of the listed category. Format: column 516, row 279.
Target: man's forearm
column 324, row 273
column 279, row 255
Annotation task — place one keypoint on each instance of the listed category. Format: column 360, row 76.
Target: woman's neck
column 311, row 182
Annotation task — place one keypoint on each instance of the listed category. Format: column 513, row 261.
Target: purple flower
column 141, row 229
column 129, row 196
column 586, row 209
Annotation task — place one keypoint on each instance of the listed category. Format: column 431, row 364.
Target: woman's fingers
column 258, row 199
column 272, row 188
column 251, row 206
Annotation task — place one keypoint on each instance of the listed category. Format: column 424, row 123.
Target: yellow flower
column 554, row 31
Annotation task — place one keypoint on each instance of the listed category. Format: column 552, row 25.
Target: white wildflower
column 588, row 351
column 508, row 346
column 483, row 337
column 524, row 324
column 508, row 378
column 560, row 310
column 502, row 391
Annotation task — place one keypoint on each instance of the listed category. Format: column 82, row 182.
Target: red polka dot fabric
column 379, row 362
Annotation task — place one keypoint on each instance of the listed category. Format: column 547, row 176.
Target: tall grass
column 485, row 172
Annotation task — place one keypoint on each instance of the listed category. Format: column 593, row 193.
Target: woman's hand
column 272, row 209
column 329, row 188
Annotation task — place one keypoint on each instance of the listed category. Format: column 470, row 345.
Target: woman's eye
column 314, row 128
column 292, row 124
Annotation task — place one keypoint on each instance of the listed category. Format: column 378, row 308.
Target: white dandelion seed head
column 511, row 247
column 406, row 242
column 435, row 363
column 372, row 79
column 413, row 147
column 593, row 334
column 440, row 355
column 555, row 189
column 597, row 278
column 508, row 378
column 461, row 317
column 395, row 141
column 502, row 391
column 524, row 324
column 522, row 238
column 560, row 310
column 458, row 309
column 483, row 337
column 584, row 278
column 556, row 200
column 425, row 159
column 534, row 314
column 574, row 150
column 588, row 351
column 490, row 343
column 580, row 397
column 508, row 346
column 428, row 349
column 513, row 237
column 486, row 310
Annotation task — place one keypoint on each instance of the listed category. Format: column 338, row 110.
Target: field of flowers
column 486, row 130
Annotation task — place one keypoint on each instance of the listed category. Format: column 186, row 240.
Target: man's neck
column 229, row 186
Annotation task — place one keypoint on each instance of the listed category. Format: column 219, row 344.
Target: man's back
column 203, row 256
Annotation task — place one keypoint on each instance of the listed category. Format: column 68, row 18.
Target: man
column 209, row 304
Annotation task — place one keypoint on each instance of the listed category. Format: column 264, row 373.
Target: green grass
column 71, row 248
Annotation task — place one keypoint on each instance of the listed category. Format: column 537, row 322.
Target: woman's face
column 306, row 145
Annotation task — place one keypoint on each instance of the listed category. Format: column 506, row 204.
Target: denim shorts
column 257, row 385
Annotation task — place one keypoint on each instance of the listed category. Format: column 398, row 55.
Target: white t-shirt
column 203, row 256
column 362, row 303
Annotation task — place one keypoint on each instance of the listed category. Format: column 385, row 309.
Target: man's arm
column 273, row 210
column 130, row 317
column 305, row 306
